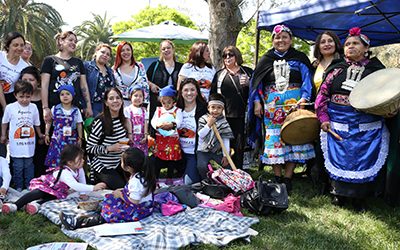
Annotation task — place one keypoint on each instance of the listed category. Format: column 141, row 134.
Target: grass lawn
column 309, row 223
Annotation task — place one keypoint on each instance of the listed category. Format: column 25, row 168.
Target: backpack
column 237, row 180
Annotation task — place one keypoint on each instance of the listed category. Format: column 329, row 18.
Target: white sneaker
column 32, row 208
column 8, row 208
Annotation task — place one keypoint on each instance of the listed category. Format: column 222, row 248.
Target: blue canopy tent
column 378, row 19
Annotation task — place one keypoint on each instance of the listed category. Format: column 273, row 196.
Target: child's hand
column 144, row 140
column 3, row 191
column 79, row 142
column 117, row 193
column 3, row 139
column 47, row 140
column 41, row 141
column 130, row 137
column 84, row 197
column 99, row 186
column 166, row 125
column 210, row 121
column 224, row 161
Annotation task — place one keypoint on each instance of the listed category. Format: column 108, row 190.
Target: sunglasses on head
column 230, row 54
column 188, row 79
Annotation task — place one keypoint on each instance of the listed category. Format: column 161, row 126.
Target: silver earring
column 366, row 54
column 61, row 48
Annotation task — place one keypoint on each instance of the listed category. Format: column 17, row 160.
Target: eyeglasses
column 230, row 54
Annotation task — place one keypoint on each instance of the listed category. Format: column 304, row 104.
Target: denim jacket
column 92, row 76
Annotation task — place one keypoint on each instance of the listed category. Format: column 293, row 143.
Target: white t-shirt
column 21, row 128
column 156, row 118
column 68, row 112
column 187, row 132
column 136, row 128
column 68, row 177
column 5, row 173
column 10, row 73
column 136, row 189
column 204, row 76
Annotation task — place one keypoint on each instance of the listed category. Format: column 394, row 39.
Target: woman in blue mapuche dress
column 281, row 77
column 356, row 164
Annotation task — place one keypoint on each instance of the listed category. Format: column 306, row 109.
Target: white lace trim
column 273, row 131
column 285, row 155
column 370, row 126
column 340, row 126
column 358, row 175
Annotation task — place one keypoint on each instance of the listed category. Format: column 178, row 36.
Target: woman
column 193, row 107
column 282, row 77
column 99, row 76
column 233, row 82
column 64, row 69
column 355, row 165
column 31, row 74
column 198, row 67
column 328, row 51
column 27, row 53
column 128, row 72
column 162, row 72
column 103, row 141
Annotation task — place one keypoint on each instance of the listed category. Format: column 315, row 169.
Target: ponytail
column 68, row 153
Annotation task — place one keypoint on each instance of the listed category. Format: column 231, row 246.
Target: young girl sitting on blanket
column 56, row 185
column 132, row 203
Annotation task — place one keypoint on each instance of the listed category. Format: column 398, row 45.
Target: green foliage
column 153, row 16
column 91, row 33
column 246, row 43
column 38, row 22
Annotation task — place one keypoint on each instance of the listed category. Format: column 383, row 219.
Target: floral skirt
column 276, row 151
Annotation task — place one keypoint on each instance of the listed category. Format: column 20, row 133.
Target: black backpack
column 265, row 198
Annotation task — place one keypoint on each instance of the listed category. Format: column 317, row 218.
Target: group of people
column 178, row 105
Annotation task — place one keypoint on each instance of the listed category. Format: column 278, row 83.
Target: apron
column 168, row 147
column 138, row 123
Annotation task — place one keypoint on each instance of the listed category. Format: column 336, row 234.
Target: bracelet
column 80, row 138
column 129, row 133
column 46, row 135
column 45, row 107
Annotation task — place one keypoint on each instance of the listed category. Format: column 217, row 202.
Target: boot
column 338, row 201
column 277, row 179
column 359, row 205
column 288, row 183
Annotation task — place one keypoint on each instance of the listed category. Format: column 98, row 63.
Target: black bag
column 212, row 189
column 184, row 194
column 265, row 198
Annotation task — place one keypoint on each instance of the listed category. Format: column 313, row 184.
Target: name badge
column 137, row 129
column 25, row 132
column 67, row 131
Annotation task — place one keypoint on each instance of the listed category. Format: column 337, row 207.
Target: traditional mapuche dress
column 354, row 164
column 279, row 79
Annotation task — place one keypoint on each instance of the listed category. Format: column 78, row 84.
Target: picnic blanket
column 198, row 225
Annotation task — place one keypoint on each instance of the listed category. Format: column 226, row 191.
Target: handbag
column 212, row 189
column 265, row 198
column 237, row 180
column 171, row 208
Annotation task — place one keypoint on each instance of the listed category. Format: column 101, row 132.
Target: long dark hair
column 196, row 55
column 338, row 44
column 9, row 37
column 107, row 121
column 135, row 159
column 69, row 153
column 180, row 100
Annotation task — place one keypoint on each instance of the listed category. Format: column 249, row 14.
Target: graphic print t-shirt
column 187, row 131
column 203, row 76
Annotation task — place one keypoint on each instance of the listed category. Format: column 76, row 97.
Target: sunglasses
column 230, row 54
column 188, row 79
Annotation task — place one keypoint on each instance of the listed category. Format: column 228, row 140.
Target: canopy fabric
column 165, row 30
column 378, row 19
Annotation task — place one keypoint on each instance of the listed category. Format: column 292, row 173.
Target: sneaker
column 67, row 220
column 19, row 190
column 8, row 208
column 32, row 208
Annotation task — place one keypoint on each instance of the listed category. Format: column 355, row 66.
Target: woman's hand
column 244, row 80
column 302, row 100
column 99, row 186
column 84, row 197
column 117, row 147
column 258, row 109
column 390, row 115
column 47, row 115
column 88, row 112
column 326, row 126
column 154, row 88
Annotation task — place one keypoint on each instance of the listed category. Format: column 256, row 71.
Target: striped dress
column 102, row 158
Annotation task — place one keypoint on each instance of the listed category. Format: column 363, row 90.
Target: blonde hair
column 63, row 35
column 172, row 45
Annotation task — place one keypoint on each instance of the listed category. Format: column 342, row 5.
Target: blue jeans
column 203, row 159
column 191, row 174
column 23, row 170
column 97, row 108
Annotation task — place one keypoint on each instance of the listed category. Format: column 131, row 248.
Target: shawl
column 210, row 142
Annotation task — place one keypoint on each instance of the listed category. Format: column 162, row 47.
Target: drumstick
column 223, row 147
column 335, row 135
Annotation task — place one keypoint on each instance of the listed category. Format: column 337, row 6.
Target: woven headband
column 216, row 102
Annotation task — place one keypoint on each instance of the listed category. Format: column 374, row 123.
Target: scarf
column 210, row 142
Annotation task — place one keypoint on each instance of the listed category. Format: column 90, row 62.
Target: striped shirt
column 102, row 158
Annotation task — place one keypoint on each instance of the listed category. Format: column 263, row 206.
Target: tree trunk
column 225, row 25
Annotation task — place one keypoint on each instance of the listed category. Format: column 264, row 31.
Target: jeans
column 1, row 181
column 191, row 174
column 97, row 108
column 203, row 159
column 23, row 169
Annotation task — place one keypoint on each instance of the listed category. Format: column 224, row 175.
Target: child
column 5, row 179
column 22, row 116
column 136, row 120
column 209, row 147
column 132, row 203
column 56, row 185
column 67, row 123
column 166, row 120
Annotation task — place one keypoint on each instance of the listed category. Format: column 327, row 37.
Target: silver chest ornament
column 353, row 76
column 282, row 74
